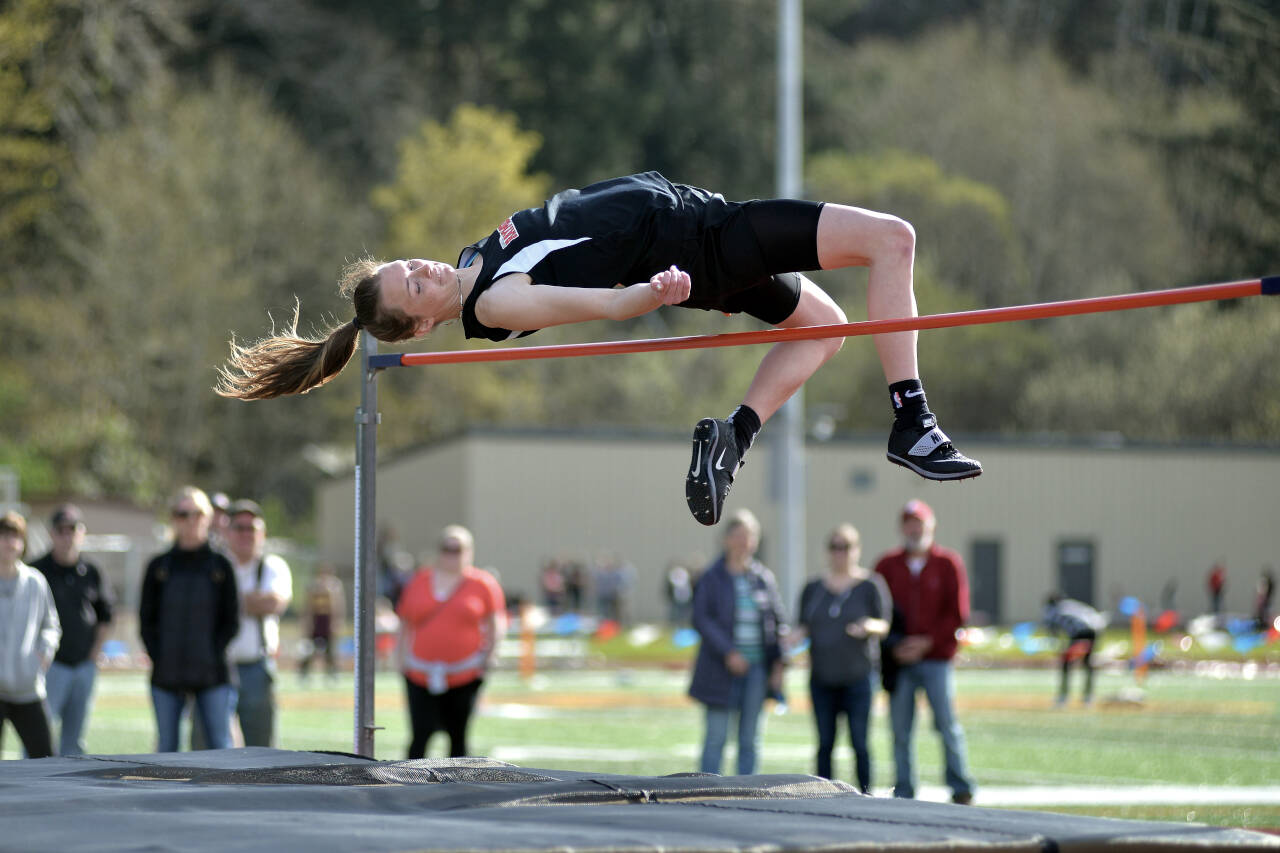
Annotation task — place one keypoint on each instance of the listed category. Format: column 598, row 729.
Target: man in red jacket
column 930, row 594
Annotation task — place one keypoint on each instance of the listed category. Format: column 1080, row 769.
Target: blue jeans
column 256, row 703
column 213, row 710
column 69, row 693
column 854, row 701
column 937, row 679
column 746, row 698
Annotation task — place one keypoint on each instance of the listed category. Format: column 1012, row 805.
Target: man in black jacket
column 189, row 613
column 84, row 600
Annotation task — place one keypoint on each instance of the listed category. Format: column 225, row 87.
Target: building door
column 1075, row 569
column 984, row 581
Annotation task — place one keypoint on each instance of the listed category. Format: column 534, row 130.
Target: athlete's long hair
column 288, row 363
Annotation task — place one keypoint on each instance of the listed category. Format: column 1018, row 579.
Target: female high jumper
column 621, row 248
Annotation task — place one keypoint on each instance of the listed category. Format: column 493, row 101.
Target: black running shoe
column 925, row 449
column 715, row 462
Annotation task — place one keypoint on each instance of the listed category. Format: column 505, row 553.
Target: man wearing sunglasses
column 266, row 587
column 84, row 603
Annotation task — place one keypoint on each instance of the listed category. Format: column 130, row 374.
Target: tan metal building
column 1096, row 519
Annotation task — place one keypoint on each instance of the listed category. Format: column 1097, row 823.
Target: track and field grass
column 1193, row 736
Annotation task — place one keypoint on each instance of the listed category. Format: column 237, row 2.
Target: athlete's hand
column 671, row 286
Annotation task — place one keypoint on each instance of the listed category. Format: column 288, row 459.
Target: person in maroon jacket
column 930, row 594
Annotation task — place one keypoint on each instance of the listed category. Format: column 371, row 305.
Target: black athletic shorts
column 746, row 256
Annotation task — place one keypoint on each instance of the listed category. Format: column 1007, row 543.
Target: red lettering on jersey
column 507, row 232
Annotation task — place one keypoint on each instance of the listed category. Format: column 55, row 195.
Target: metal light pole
column 789, row 473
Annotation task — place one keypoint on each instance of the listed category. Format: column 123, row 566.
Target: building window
column 1076, row 559
column 986, row 566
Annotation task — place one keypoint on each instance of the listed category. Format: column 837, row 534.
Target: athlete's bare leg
column 853, row 237
column 847, row 237
column 789, row 365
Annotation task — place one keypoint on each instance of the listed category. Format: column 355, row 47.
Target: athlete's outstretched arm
column 515, row 302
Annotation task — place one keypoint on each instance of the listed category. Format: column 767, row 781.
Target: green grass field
column 1190, row 730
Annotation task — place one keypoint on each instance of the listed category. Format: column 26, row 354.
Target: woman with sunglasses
column 624, row 247
column 188, row 614
column 452, row 616
column 844, row 613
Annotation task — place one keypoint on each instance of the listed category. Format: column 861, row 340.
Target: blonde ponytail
column 290, row 364
column 286, row 364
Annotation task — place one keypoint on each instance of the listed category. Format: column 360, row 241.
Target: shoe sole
column 932, row 475
column 699, row 488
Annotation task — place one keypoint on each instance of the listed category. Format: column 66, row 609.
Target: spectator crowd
column 210, row 608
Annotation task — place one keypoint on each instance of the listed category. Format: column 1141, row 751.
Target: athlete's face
column 421, row 289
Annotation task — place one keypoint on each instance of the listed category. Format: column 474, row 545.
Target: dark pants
column 32, row 724
column 256, row 703
column 1086, row 661
column 321, row 644
column 449, row 711
column 854, row 701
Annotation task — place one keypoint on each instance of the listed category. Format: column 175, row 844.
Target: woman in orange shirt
column 452, row 616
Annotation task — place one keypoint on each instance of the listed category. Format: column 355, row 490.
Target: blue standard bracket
column 378, row 362
column 1271, row 285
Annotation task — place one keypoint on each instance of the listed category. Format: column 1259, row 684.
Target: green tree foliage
column 65, row 66
column 965, row 226
column 969, row 257
column 1225, row 168
column 348, row 76
column 198, row 214
column 458, row 181
column 1197, row 373
column 613, row 88
column 150, row 202
column 30, row 160
column 1085, row 199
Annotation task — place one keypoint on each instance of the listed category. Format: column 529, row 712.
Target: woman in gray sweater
column 29, row 636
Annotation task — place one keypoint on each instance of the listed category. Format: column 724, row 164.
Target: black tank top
column 619, row 231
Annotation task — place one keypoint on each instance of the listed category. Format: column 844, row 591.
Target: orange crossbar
column 1095, row 305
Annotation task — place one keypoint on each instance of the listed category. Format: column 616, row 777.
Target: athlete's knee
column 898, row 238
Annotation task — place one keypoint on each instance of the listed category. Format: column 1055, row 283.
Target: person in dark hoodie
column 188, row 614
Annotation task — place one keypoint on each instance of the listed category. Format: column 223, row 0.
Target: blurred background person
column 265, row 585
column 844, row 613
column 1216, row 581
column 188, row 613
column 611, row 578
column 220, row 522
column 452, row 617
column 1265, row 591
column 930, row 590
column 575, row 585
column 551, row 582
column 29, row 636
column 1079, row 624
column 395, row 564
column 84, row 601
column 677, row 587
column 738, row 613
column 324, row 611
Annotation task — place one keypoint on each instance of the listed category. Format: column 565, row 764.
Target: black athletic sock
column 908, row 400
column 746, row 425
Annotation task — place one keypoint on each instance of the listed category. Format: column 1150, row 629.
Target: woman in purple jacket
column 738, row 613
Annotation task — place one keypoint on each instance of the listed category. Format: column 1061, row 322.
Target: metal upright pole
column 367, row 418
column 789, row 473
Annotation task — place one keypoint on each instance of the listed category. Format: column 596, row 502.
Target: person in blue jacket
column 738, row 613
